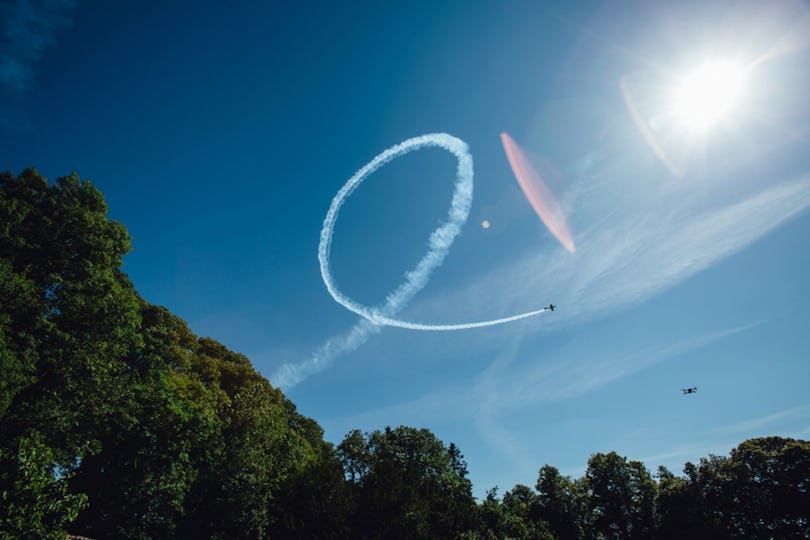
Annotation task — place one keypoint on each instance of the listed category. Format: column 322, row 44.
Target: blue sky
column 220, row 132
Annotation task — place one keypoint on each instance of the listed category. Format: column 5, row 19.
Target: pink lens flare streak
column 648, row 136
column 538, row 194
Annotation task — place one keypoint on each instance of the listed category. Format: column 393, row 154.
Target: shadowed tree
column 559, row 503
column 263, row 444
column 315, row 502
column 140, row 479
column 621, row 497
column 675, row 507
column 761, row 491
column 514, row 517
column 108, row 400
column 406, row 484
column 522, row 512
column 68, row 317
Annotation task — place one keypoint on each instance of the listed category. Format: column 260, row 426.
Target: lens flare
column 537, row 193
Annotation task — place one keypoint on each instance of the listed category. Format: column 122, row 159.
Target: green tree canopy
column 762, row 490
column 68, row 317
column 109, row 401
column 406, row 484
column 621, row 497
column 560, row 503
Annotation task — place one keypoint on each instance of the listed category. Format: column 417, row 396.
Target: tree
column 151, row 452
column 406, row 484
column 622, row 497
column 490, row 525
column 559, row 503
column 522, row 515
column 34, row 500
column 676, row 503
column 761, row 491
column 62, row 256
column 315, row 502
column 263, row 447
column 770, row 482
column 513, row 517
column 107, row 399
column 68, row 317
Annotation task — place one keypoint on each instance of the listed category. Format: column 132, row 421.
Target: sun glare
column 708, row 94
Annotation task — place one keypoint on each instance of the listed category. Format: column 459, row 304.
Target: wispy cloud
column 524, row 379
column 790, row 422
column 567, row 378
column 27, row 29
column 516, row 381
column 637, row 237
column 764, row 423
column 625, row 258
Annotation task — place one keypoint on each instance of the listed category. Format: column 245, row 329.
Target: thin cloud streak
column 566, row 379
column 627, row 259
column 759, row 423
column 632, row 251
column 789, row 419
column 506, row 386
column 27, row 29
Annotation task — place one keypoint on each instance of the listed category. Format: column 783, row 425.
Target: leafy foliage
column 621, row 497
column 561, row 503
column 68, row 315
column 109, row 400
column 517, row 515
column 762, row 490
column 406, row 484
column 35, row 500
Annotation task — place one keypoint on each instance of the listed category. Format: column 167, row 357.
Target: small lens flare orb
column 708, row 95
column 485, row 224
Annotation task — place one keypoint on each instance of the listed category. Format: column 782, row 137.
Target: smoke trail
column 439, row 245
column 288, row 375
column 379, row 319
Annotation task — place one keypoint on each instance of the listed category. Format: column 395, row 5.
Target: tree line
column 116, row 421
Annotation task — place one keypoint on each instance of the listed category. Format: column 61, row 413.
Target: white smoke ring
column 440, row 242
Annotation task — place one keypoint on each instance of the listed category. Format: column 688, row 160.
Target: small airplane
column 691, row 390
column 550, row 307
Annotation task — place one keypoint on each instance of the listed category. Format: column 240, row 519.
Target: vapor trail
column 288, row 375
column 460, row 326
column 439, row 244
column 441, row 239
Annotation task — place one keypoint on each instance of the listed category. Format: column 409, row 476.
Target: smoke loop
column 439, row 244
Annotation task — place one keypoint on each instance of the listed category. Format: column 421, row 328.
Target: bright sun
column 708, row 94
